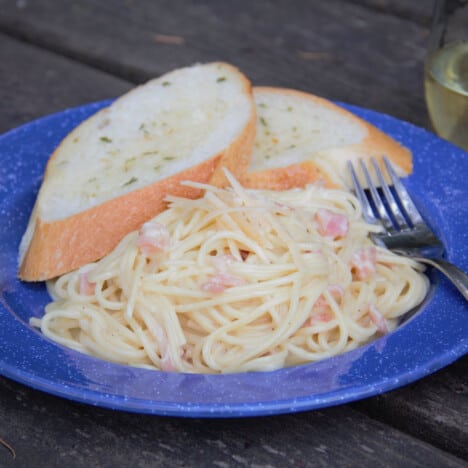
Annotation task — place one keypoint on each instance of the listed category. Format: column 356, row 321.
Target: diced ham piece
column 322, row 317
column 378, row 319
column 222, row 279
column 153, row 237
column 167, row 364
column 318, row 317
column 364, row 262
column 321, row 303
column 213, row 287
column 222, row 262
column 220, row 282
column 331, row 224
column 321, row 311
column 86, row 287
column 336, row 291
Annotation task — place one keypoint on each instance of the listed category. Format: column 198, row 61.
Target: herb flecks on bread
column 112, row 172
column 302, row 138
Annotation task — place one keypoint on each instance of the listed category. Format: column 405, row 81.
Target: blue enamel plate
column 434, row 337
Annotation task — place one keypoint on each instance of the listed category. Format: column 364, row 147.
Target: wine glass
column 446, row 71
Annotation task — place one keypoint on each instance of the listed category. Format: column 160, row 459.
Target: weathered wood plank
column 64, row 433
column 419, row 12
column 36, row 82
column 336, row 49
column 434, row 410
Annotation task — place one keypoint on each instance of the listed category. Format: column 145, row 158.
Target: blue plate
column 431, row 339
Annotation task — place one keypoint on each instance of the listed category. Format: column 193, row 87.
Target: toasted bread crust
column 285, row 178
column 376, row 144
column 61, row 246
column 237, row 157
column 58, row 247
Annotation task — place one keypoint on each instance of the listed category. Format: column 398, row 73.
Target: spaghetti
column 238, row 280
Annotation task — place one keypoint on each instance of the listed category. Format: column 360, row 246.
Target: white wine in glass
column 446, row 71
column 446, row 88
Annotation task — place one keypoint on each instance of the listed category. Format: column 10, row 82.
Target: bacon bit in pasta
column 336, row 291
column 167, row 364
column 86, row 287
column 331, row 224
column 153, row 237
column 315, row 319
column 322, row 318
column 222, row 279
column 220, row 282
column 378, row 319
column 321, row 311
column 321, row 303
column 364, row 262
column 222, row 262
column 213, row 287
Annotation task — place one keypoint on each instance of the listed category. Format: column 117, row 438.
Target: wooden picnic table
column 56, row 54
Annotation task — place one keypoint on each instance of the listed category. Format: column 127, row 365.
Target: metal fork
column 405, row 232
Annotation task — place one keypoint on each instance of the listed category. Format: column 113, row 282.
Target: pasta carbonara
column 238, row 280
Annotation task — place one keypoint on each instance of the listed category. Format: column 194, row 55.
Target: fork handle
column 452, row 272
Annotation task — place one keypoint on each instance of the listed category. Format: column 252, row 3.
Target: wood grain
column 70, row 434
column 434, row 409
column 36, row 82
column 336, row 49
column 420, row 12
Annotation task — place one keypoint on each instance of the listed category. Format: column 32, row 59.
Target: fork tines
column 387, row 203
